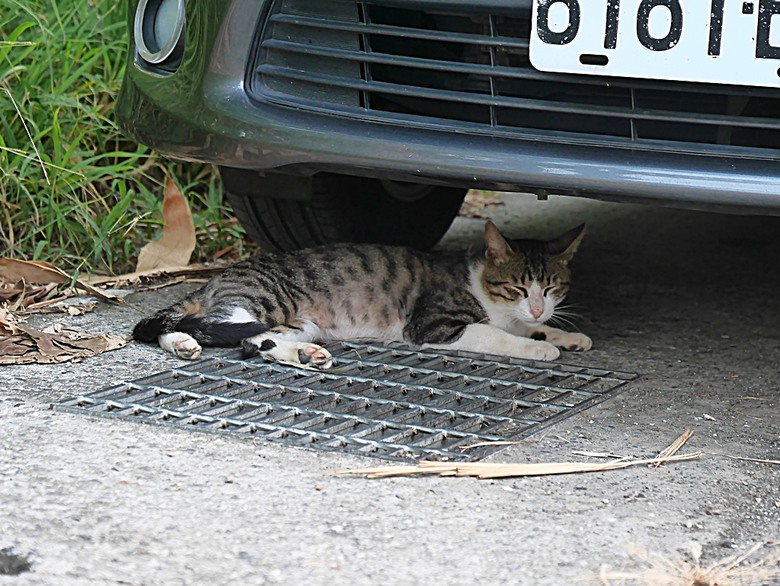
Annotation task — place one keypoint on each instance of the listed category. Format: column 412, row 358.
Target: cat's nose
column 536, row 312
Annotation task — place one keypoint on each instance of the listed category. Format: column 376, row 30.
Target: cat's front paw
column 576, row 342
column 542, row 351
column 298, row 353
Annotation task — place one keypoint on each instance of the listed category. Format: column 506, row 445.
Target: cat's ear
column 497, row 249
column 566, row 244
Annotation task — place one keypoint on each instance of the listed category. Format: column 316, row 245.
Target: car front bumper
column 203, row 112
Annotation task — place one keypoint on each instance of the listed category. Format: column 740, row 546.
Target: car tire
column 349, row 209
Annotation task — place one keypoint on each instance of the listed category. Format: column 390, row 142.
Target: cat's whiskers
column 557, row 320
column 565, row 315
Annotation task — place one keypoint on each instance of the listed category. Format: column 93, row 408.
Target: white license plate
column 711, row 41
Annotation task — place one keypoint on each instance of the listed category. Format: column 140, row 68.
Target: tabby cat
column 277, row 305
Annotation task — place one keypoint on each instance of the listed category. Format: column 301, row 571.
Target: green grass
column 73, row 190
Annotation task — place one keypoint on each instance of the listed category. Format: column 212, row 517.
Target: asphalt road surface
column 689, row 300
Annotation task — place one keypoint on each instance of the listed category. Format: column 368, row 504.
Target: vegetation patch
column 73, row 190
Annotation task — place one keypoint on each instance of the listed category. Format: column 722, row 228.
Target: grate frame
column 387, row 401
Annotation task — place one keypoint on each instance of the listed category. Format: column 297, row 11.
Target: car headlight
column 159, row 32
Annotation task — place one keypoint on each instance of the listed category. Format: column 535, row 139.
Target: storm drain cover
column 385, row 401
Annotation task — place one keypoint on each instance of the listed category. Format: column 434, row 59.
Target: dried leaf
column 31, row 271
column 19, row 275
column 477, row 204
column 7, row 323
column 22, row 345
column 175, row 246
column 9, row 291
column 176, row 275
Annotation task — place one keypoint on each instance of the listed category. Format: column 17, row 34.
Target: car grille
column 469, row 70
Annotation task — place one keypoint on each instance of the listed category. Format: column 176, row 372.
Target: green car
column 368, row 121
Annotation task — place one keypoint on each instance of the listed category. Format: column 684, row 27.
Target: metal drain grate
column 385, row 401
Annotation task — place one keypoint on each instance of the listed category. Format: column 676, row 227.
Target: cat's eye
column 548, row 290
column 521, row 290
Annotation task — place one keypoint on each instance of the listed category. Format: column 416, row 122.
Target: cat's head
column 526, row 279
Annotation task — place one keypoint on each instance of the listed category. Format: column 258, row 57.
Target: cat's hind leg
column 290, row 343
column 183, row 328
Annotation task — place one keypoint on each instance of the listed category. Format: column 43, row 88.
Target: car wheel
column 344, row 208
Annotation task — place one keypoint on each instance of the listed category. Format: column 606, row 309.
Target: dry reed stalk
column 485, row 470
column 675, row 446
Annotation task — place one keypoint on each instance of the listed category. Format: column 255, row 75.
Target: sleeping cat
column 277, row 305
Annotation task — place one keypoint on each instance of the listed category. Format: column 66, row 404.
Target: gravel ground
column 687, row 299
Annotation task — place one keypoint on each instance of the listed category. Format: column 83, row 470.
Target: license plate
column 711, row 41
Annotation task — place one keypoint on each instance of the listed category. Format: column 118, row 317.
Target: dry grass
column 485, row 470
column 758, row 566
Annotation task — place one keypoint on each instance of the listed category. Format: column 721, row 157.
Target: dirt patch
column 12, row 564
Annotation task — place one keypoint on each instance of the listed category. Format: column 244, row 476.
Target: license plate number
column 711, row 41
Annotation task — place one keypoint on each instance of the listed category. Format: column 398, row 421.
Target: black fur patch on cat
column 267, row 345
column 148, row 329
column 212, row 333
column 541, row 336
column 251, row 349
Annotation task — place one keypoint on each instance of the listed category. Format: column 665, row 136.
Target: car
column 369, row 121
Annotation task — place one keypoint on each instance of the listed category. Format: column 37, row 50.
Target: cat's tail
column 208, row 331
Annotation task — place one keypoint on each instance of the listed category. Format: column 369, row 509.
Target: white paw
column 576, row 342
column 314, row 355
column 301, row 353
column 542, row 351
column 182, row 345
column 187, row 349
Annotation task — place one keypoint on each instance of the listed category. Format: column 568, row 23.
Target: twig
column 496, row 443
column 759, row 460
column 599, row 455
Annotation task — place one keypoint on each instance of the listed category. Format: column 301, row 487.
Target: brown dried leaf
column 154, row 277
column 14, row 345
column 16, row 274
column 175, row 246
column 477, row 203
column 22, row 345
column 7, row 323
column 9, row 291
column 30, row 271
